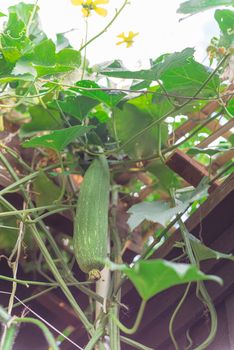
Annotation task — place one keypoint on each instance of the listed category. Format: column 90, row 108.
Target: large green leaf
column 155, row 105
column 46, row 192
column 179, row 72
column 109, row 98
column 157, row 211
column 42, row 119
column 204, row 253
column 195, row 6
column 23, row 12
column 130, row 120
column 44, row 54
column 168, row 61
column 186, row 79
column 76, row 106
column 225, row 19
column 47, row 62
column 160, row 211
column 14, row 42
column 167, row 178
column 68, row 58
column 58, row 139
column 153, row 276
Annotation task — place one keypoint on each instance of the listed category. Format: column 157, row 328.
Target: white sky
column 155, row 20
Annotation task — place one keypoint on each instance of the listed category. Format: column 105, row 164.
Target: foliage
column 65, row 114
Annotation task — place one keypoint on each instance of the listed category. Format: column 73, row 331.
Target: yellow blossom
column 127, row 39
column 91, row 5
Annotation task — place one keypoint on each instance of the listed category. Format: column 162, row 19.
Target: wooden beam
column 222, row 201
column 220, row 132
column 221, row 160
column 189, row 169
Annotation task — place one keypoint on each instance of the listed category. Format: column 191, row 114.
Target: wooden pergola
column 213, row 222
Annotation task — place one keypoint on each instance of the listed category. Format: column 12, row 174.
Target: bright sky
column 155, row 20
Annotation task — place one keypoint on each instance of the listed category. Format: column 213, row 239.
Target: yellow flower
column 91, row 5
column 127, row 39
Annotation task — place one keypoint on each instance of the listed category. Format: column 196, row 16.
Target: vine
column 53, row 131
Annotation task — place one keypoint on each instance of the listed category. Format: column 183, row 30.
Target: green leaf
column 157, row 211
column 195, row 6
column 53, row 70
column 230, row 106
column 225, row 19
column 14, row 42
column 15, row 27
column 42, row 119
column 110, row 99
column 160, row 211
column 47, row 62
column 62, row 42
column 2, row 14
column 169, row 61
column 45, row 190
column 179, row 72
column 9, row 229
column 58, row 139
column 155, row 105
column 11, row 78
column 24, row 69
column 130, row 120
column 76, row 106
column 44, row 54
column 186, row 79
column 153, row 276
column 203, row 252
column 167, row 178
column 231, row 139
column 23, row 12
column 69, row 58
column 193, row 151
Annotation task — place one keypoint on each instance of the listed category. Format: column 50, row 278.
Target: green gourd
column 91, row 220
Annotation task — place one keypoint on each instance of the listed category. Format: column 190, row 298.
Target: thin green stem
column 33, row 210
column 143, row 92
column 8, row 341
column 204, row 295
column 31, row 18
column 4, row 316
column 205, row 298
column 174, row 316
column 85, row 49
column 106, row 27
column 26, row 179
column 32, row 297
column 48, row 335
column 137, row 322
column 95, row 338
column 16, row 156
column 38, row 283
column 134, row 344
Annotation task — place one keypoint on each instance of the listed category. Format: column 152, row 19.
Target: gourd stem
column 134, row 344
column 137, row 322
column 95, row 338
